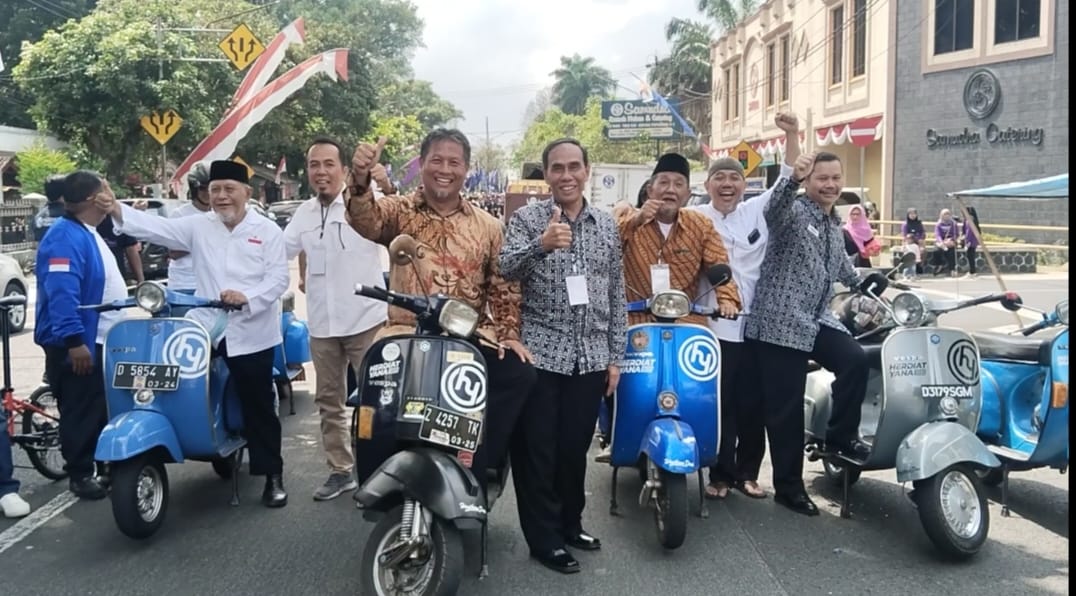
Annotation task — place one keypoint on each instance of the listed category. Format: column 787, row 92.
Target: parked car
column 13, row 282
column 154, row 256
column 284, row 211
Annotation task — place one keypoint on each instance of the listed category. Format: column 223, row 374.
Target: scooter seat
column 995, row 346
column 874, row 358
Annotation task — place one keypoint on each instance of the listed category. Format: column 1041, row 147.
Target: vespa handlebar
column 414, row 304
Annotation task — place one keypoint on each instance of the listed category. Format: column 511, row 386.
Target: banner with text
column 631, row 118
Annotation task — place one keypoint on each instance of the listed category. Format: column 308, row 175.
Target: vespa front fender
column 135, row 432
column 670, row 444
column 935, row 446
column 435, row 479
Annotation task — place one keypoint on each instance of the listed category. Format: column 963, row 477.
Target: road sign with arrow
column 241, row 47
column 162, row 127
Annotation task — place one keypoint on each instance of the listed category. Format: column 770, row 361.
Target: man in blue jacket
column 71, row 272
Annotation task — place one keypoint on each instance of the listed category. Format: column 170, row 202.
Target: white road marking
column 27, row 525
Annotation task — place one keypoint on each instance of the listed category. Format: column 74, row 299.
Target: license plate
column 447, row 428
column 138, row 375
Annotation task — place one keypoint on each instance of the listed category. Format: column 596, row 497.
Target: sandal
column 751, row 489
column 717, row 490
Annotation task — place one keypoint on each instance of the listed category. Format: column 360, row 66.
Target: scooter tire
column 670, row 510
column 446, row 556
column 932, row 512
column 835, row 473
column 139, row 510
column 223, row 467
column 991, row 477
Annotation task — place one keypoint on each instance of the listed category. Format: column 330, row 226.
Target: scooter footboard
column 671, row 445
column 135, row 432
column 435, row 479
column 935, row 446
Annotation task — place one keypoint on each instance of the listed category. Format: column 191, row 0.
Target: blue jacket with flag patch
column 70, row 273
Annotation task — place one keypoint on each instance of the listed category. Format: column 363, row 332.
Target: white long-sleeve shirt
column 745, row 257
column 337, row 258
column 181, row 271
column 249, row 259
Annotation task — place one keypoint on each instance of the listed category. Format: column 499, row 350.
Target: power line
column 47, row 9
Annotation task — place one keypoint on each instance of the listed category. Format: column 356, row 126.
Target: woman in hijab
column 971, row 240
column 915, row 237
column 946, row 234
column 859, row 237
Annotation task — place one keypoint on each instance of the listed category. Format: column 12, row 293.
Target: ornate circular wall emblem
column 982, row 93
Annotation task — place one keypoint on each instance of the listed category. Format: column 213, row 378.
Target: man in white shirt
column 181, row 276
column 239, row 258
column 743, row 229
column 342, row 325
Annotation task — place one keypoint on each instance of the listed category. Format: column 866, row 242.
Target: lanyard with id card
column 578, row 295
column 659, row 278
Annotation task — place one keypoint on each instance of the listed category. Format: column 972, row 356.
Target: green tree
column 24, row 22
column 727, row 14
column 403, row 135
column 687, row 72
column 38, row 162
column 577, row 80
column 588, row 129
column 410, row 97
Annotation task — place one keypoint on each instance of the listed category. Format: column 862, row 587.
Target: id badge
column 577, row 290
column 315, row 261
column 659, row 278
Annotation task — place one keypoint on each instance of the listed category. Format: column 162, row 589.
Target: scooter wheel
column 953, row 511
column 991, row 477
column 437, row 572
column 835, row 473
column 670, row 511
column 139, row 495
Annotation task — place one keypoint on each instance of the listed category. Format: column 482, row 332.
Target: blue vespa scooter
column 291, row 355
column 667, row 407
column 168, row 401
column 1025, row 415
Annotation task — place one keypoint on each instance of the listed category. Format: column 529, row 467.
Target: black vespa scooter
column 418, row 420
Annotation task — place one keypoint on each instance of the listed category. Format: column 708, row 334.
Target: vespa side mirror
column 1062, row 312
column 403, row 249
column 1012, row 302
column 719, row 275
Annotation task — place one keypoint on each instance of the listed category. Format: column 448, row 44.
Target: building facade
column 981, row 98
column 828, row 61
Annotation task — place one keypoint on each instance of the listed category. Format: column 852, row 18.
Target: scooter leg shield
column 134, row 432
column 935, row 446
column 435, row 479
column 670, row 444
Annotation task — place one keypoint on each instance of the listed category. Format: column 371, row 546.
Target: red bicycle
column 39, row 416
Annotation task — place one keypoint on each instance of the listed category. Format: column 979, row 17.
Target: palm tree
column 577, row 79
column 726, row 13
column 686, row 73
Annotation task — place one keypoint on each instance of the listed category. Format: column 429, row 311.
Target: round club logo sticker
column 963, row 362
column 390, row 352
column 698, row 358
column 188, row 349
column 463, row 386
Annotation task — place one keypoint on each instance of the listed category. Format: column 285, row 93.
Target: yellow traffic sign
column 250, row 170
column 241, row 46
column 747, row 156
column 162, row 127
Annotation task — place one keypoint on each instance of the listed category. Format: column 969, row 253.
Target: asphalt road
column 745, row 547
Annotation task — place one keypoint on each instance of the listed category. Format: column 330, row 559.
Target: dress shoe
column 558, row 560
column 799, row 502
column 583, row 541
column 87, row 488
column 854, row 449
column 274, row 495
column 104, row 474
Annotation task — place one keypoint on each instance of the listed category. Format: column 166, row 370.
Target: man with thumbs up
column 566, row 254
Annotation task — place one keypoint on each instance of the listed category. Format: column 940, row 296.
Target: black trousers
column 549, row 456
column 743, row 438
column 783, row 380
column 510, row 382
column 971, row 260
column 944, row 260
column 252, row 378
column 83, row 409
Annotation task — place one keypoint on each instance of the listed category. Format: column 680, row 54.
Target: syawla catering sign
column 631, row 118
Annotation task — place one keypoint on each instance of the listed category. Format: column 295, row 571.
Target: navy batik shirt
column 805, row 256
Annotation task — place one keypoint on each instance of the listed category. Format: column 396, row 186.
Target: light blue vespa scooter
column 666, row 415
column 1025, row 415
column 168, row 401
column 291, row 355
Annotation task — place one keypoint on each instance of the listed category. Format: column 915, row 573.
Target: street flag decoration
column 649, row 95
column 411, row 169
column 280, row 169
column 257, row 96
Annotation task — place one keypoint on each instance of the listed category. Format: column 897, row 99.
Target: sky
column 490, row 57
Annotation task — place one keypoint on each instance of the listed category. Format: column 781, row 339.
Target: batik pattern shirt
column 457, row 256
column 804, row 257
column 693, row 246
column 563, row 337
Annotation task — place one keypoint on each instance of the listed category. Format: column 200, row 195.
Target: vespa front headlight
column 151, row 296
column 909, row 310
column 457, row 318
column 670, row 304
column 1062, row 311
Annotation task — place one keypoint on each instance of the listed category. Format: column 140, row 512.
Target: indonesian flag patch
column 254, row 240
column 59, row 265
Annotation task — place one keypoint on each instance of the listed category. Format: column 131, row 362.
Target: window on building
column 836, row 40
column 771, row 74
column 1016, row 20
column 786, row 64
column 954, row 25
column 859, row 38
column 732, row 92
column 728, row 93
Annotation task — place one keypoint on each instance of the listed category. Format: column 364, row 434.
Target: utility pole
column 160, row 81
column 489, row 151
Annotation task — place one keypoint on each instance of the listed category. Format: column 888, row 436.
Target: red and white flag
column 59, row 265
column 280, row 169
